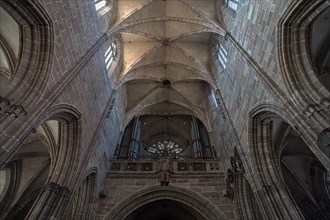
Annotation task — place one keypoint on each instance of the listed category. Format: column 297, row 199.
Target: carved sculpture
column 165, row 169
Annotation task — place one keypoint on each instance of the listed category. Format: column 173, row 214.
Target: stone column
column 51, row 203
column 277, row 203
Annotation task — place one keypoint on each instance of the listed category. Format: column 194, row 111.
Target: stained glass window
column 164, row 148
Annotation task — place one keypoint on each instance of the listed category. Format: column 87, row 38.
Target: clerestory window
column 232, row 4
column 215, row 100
column 110, row 54
column 99, row 4
column 222, row 56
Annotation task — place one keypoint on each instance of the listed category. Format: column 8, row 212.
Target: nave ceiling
column 166, row 63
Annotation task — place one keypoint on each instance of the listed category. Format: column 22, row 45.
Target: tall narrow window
column 232, row 4
column 222, row 56
column 100, row 4
column 110, row 54
column 214, row 99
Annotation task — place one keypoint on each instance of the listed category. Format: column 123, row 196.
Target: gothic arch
column 246, row 203
column 30, row 76
column 297, row 69
column 187, row 197
column 63, row 171
column 265, row 163
column 84, row 199
column 68, row 152
column 247, row 206
column 25, row 183
column 267, row 123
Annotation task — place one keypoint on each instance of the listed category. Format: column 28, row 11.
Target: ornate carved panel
column 214, row 166
column 131, row 167
column 199, row 167
column 115, row 167
column 147, row 166
column 183, row 167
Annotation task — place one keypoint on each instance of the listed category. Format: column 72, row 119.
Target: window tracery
column 165, row 148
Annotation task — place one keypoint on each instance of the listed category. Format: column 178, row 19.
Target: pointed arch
column 265, row 163
column 36, row 51
column 63, row 172
column 68, row 152
column 84, row 199
column 178, row 194
column 297, row 70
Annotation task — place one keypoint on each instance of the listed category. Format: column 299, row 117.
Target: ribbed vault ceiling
column 166, row 40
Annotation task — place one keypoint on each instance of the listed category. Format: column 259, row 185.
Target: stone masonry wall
column 78, row 28
column 123, row 185
column 254, row 27
column 204, row 178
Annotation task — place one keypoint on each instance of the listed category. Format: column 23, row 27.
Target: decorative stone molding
column 180, row 166
column 236, row 162
column 234, row 174
column 323, row 141
column 229, row 184
column 147, row 166
column 199, row 167
column 57, row 190
column 4, row 105
column 11, row 109
column 104, row 194
column 131, row 167
column 16, row 111
column 115, row 167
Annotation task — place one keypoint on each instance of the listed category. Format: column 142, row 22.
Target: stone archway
column 277, row 152
column 165, row 210
column 299, row 75
column 198, row 204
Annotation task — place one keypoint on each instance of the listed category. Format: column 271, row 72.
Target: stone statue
column 165, row 169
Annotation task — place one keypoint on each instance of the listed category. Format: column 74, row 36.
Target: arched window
column 102, row 7
column 110, row 54
column 99, row 4
column 222, row 55
column 232, row 4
